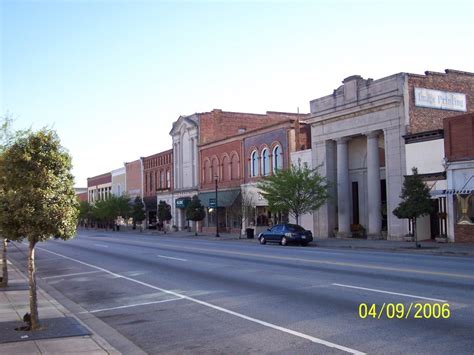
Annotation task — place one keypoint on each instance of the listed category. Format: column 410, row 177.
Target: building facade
column 118, row 182
column 157, row 174
column 99, row 187
column 367, row 133
column 459, row 147
column 134, row 179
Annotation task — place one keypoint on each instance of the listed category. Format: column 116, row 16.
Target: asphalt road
column 176, row 295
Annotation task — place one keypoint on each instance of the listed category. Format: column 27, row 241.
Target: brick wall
column 224, row 152
column 99, row 180
column 459, row 137
column 428, row 119
column 157, row 173
column 463, row 233
column 218, row 124
column 133, row 183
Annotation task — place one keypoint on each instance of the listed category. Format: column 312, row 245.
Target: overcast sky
column 111, row 76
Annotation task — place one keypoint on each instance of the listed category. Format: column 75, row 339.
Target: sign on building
column 442, row 100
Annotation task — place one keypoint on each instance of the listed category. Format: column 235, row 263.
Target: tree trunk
column 297, row 217
column 4, row 282
column 196, row 228
column 35, row 324
column 415, row 233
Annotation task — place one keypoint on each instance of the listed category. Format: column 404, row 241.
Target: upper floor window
column 253, row 164
column 265, row 162
column 168, row 179
column 277, row 158
column 234, row 170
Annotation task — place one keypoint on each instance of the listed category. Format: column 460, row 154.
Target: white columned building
column 357, row 139
column 185, row 135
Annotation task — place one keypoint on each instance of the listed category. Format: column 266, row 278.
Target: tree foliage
column 37, row 196
column 106, row 211
column 416, row 200
column 195, row 211
column 138, row 211
column 164, row 212
column 296, row 190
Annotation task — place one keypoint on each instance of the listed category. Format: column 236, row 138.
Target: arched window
column 215, row 169
column 235, row 167
column 253, row 164
column 207, row 172
column 226, row 168
column 277, row 158
column 168, row 179
column 265, row 162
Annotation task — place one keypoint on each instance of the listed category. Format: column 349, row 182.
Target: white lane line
column 75, row 274
column 206, row 304
column 101, row 245
column 132, row 305
column 391, row 293
column 169, row 257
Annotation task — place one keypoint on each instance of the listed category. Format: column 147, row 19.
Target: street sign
column 212, row 202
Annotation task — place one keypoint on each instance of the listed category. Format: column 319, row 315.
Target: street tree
column 37, row 197
column 416, row 201
column 86, row 215
column 6, row 136
column 296, row 190
column 138, row 211
column 195, row 212
column 164, row 213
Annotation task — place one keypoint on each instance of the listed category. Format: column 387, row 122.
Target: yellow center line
column 325, row 262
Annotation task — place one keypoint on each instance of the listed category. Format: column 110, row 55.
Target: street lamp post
column 217, row 211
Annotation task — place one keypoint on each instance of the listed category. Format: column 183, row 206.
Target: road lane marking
column 221, row 309
column 66, row 275
column 391, row 293
column 325, row 262
column 170, row 257
column 101, row 245
column 132, row 305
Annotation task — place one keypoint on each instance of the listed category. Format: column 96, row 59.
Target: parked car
column 286, row 233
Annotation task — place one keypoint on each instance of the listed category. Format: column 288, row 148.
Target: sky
column 111, row 76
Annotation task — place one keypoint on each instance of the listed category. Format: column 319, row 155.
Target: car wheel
column 263, row 240
column 284, row 241
column 304, row 244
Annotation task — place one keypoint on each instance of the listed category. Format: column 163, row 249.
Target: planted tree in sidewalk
column 86, row 215
column 164, row 213
column 296, row 190
column 416, row 201
column 195, row 212
column 138, row 211
column 6, row 136
column 37, row 197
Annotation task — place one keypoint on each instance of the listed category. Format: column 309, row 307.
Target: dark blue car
column 286, row 233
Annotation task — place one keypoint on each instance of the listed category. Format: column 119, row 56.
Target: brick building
column 459, row 148
column 99, row 187
column 192, row 133
column 134, row 179
column 242, row 159
column 157, row 175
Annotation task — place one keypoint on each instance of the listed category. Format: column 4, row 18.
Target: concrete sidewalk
column 14, row 303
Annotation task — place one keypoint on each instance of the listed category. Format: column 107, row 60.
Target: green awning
column 224, row 198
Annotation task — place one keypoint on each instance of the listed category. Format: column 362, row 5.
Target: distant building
column 134, row 179
column 118, row 182
column 81, row 193
column 99, row 187
column 157, row 174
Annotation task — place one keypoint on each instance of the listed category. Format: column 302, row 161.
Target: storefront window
column 465, row 209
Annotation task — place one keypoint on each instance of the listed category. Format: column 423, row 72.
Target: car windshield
column 295, row 228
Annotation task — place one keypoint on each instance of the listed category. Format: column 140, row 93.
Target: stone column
column 373, row 182
column 343, row 197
